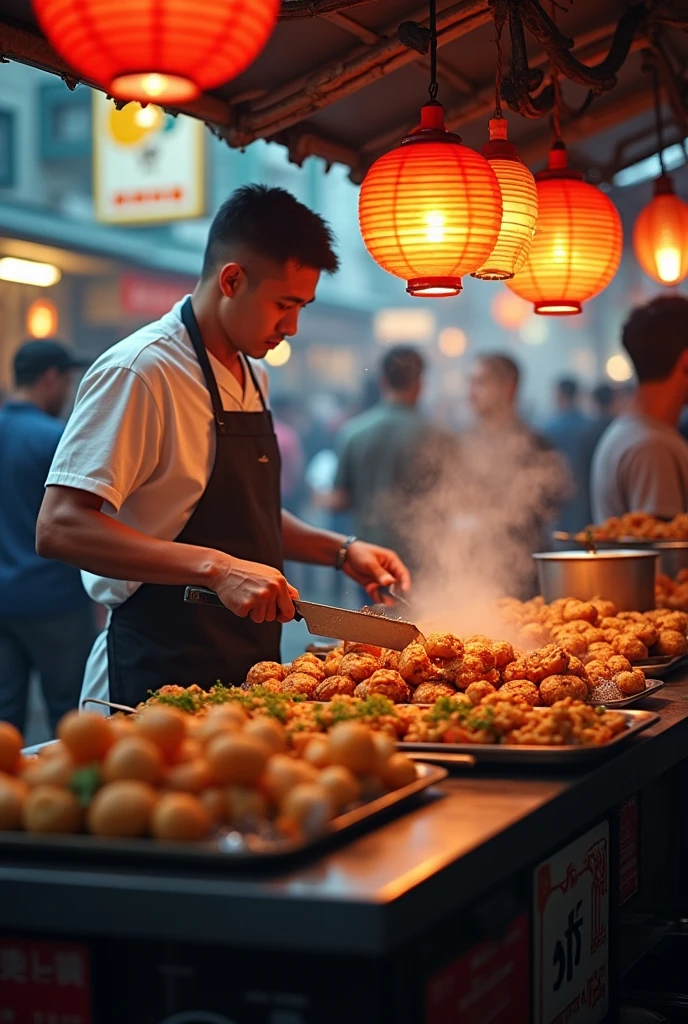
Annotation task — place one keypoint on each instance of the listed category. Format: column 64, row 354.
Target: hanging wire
column 555, row 119
column 433, row 88
column 499, row 24
column 657, row 93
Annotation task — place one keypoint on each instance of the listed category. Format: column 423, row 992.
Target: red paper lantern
column 430, row 210
column 167, row 51
column 660, row 235
column 577, row 245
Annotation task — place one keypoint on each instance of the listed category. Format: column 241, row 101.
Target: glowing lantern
column 42, row 319
column 163, row 50
column 520, row 206
column 577, row 245
column 660, row 235
column 430, row 210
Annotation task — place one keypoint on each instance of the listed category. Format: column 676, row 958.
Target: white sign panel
column 571, row 932
column 147, row 165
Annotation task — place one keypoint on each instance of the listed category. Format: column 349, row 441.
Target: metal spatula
column 323, row 620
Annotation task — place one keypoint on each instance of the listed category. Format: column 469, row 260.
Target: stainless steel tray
column 660, row 665
column 651, row 686
column 569, row 756
column 226, row 851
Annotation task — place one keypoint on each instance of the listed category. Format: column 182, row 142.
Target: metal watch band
column 343, row 552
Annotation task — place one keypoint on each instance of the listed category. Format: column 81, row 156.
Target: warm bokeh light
column 29, row 272
column 280, row 355
column 404, row 325
column 510, row 310
column 147, row 117
column 534, row 331
column 164, row 50
column 430, row 210
column 452, row 342
column 42, row 319
column 660, row 235
column 577, row 246
column 619, row 368
column 520, row 206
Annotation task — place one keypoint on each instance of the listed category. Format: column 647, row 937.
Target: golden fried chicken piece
column 577, row 668
column 515, row 670
column 503, row 653
column 358, row 666
column 472, row 670
column 301, row 682
column 386, row 682
column 476, row 691
column 333, row 662
column 631, row 682
column 558, row 687
column 414, row 665
column 618, row 664
column 351, row 647
column 601, row 651
column 522, row 690
column 315, row 668
column 630, row 647
column 264, row 670
column 428, row 693
column 647, row 632
column 334, row 686
column 675, row 621
column 671, row 643
column 483, row 652
column 443, row 645
column 574, row 643
column 580, row 610
column 594, row 636
column 548, row 661
column 598, row 672
column 605, row 609
column 390, row 659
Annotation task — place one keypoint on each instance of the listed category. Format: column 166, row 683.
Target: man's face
column 260, row 307
column 487, row 392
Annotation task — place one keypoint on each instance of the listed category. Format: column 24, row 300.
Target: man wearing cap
column 46, row 618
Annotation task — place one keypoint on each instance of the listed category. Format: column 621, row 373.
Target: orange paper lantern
column 660, row 235
column 167, row 51
column 520, row 206
column 430, row 210
column 577, row 245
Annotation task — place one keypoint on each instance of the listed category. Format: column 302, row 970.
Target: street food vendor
column 168, row 472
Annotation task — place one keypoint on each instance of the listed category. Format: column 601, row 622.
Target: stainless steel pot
column 673, row 556
column 625, row 577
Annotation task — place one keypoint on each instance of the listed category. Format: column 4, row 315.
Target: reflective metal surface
column 625, row 577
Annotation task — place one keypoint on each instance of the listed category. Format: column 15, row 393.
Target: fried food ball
column 615, row 624
column 263, row 671
column 671, row 643
column 351, row 647
column 594, row 636
column 574, row 626
column 630, row 647
column 631, row 616
column 533, row 634
column 483, row 652
column 580, row 610
column 618, row 663
column 598, row 672
column 443, row 645
column 574, row 643
column 601, row 651
column 276, row 686
column 472, row 670
column 548, row 661
column 503, row 653
column 301, row 682
column 631, row 682
column 647, row 632
column 521, row 689
column 559, row 687
column 333, row 686
column 515, row 670
column 333, row 662
column 414, row 664
column 386, row 682
column 390, row 659
column 476, row 691
column 428, row 693
column 577, row 668
column 605, row 609
column 446, row 671
column 315, row 668
column 674, row 621
column 358, row 666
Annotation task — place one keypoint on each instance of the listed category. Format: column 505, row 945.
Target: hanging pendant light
column 430, row 210
column 520, row 206
column 167, row 51
column 577, row 246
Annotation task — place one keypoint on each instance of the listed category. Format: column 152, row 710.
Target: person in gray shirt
column 641, row 461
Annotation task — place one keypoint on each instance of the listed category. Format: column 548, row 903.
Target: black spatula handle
column 201, row 595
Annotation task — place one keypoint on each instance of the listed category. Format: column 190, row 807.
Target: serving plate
column 615, row 703
column 660, row 665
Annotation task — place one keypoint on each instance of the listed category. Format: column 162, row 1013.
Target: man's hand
column 374, row 567
column 256, row 591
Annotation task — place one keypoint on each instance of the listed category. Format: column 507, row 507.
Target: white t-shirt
column 142, row 437
column 639, row 465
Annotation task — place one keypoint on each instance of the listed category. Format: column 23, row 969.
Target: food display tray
column 651, row 686
column 228, row 851
column 564, row 757
column 659, row 665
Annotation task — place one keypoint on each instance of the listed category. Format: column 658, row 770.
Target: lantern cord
column 499, row 69
column 433, row 87
column 657, row 93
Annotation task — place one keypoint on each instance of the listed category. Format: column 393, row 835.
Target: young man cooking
column 168, row 472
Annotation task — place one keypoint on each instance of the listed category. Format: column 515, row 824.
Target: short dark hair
column 568, row 387
column 402, row 367
column 603, row 395
column 655, row 337
column 272, row 224
column 502, row 366
column 35, row 357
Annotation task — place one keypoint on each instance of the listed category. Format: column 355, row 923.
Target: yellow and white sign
column 147, row 165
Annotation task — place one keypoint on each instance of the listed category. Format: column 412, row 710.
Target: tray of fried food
column 634, row 526
column 671, row 593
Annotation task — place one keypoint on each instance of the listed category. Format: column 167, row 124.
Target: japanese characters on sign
column 44, row 982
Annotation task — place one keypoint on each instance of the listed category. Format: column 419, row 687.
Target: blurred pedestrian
column 641, row 461
column 568, row 432
column 46, row 618
column 293, row 463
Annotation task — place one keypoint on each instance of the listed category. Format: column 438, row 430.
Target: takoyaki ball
column 387, row 683
column 548, row 661
column 483, row 653
column 533, row 634
column 671, row 643
column 580, row 610
column 576, row 668
column 515, row 670
column 307, row 657
column 574, row 626
column 471, row 671
column 351, row 647
column 618, row 663
column 675, row 621
column 276, row 685
column 597, row 672
column 559, row 687
column 428, row 693
column 630, row 647
column 333, row 662
column 390, row 659
column 631, row 616
column 594, row 636
column 334, row 686
column 476, row 691
column 311, row 668
column 503, row 653
column 615, row 624
column 414, row 664
column 443, row 645
column 647, row 632
column 631, row 682
column 605, row 609
column 602, row 652
column 358, row 666
column 521, row 689
column 264, row 670
column 574, row 643
column 303, row 683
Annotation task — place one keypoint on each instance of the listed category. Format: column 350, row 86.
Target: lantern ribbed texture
column 430, row 210
column 577, row 245
column 520, row 206
column 660, row 235
column 163, row 50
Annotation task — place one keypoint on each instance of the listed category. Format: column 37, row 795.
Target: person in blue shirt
column 46, row 619
column 568, row 431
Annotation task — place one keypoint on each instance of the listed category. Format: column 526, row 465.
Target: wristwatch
column 343, row 552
